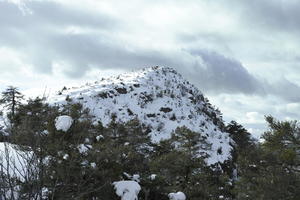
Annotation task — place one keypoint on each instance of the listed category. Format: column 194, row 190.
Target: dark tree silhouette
column 11, row 98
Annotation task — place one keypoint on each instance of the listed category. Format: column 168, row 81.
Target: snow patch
column 177, row 196
column 93, row 165
column 14, row 162
column 136, row 177
column 153, row 177
column 66, row 156
column 83, row 148
column 63, row 123
column 127, row 190
column 99, row 137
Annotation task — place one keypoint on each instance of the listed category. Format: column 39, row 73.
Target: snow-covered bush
column 127, row 190
column 177, row 196
column 63, row 123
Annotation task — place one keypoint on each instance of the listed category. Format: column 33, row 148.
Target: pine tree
column 271, row 170
column 128, row 146
column 283, row 139
column 11, row 98
column 31, row 123
column 242, row 146
column 179, row 164
column 241, row 137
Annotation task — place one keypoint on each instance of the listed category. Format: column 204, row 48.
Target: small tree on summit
column 11, row 99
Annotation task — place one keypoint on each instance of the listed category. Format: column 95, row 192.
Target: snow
column 153, row 177
column 99, row 137
column 84, row 163
column 136, row 177
column 93, row 165
column 45, row 193
column 63, row 123
column 66, row 156
column 83, row 148
column 3, row 121
column 142, row 94
column 14, row 161
column 127, row 190
column 177, row 196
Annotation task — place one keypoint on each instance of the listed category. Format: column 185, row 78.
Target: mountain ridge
column 160, row 98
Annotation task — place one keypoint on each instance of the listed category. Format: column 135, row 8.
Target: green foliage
column 283, row 139
column 241, row 137
column 271, row 169
column 84, row 161
column 11, row 99
column 179, row 164
column 261, row 177
column 32, row 121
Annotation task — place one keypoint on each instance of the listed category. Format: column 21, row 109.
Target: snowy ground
column 14, row 161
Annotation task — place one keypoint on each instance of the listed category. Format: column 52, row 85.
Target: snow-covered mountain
column 160, row 98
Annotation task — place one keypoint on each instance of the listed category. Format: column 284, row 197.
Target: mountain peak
column 157, row 96
column 144, row 75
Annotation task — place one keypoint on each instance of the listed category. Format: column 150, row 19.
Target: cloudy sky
column 244, row 55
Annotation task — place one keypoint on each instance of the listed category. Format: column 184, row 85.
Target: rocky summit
column 158, row 97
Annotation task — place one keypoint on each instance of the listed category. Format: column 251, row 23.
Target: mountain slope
column 160, row 98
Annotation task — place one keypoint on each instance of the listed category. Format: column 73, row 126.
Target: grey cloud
column 226, row 75
column 220, row 75
column 38, row 36
column 223, row 74
column 279, row 15
column 53, row 13
column 84, row 51
column 47, row 17
column 286, row 89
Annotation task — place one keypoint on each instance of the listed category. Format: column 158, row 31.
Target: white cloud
column 250, row 56
column 21, row 4
column 293, row 107
column 254, row 117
